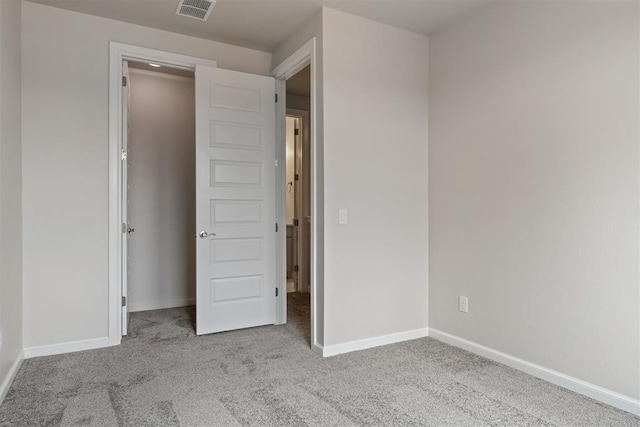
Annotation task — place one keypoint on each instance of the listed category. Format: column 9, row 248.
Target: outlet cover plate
column 463, row 304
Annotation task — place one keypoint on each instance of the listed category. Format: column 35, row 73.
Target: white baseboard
column 13, row 371
column 347, row 347
column 159, row 305
column 593, row 391
column 66, row 347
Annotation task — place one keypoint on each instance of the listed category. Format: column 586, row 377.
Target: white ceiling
column 263, row 24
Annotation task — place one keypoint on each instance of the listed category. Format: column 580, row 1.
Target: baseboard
column 159, row 305
column 332, row 350
column 593, row 391
column 13, row 371
column 66, row 347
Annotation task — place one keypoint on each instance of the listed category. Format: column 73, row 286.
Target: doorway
column 160, row 194
column 303, row 58
column 297, row 199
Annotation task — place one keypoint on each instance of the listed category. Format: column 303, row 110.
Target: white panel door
column 235, row 200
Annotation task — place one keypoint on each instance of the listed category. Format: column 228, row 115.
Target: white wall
column 534, row 185
column 372, row 124
column 161, row 194
column 375, row 165
column 10, row 190
column 65, row 162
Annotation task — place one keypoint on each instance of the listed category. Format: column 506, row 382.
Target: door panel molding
column 235, row 276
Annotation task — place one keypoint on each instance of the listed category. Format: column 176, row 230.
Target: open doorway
column 298, row 202
column 160, row 193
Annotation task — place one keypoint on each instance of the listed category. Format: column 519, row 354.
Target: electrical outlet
column 463, row 304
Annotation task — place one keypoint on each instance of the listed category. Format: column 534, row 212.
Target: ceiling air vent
column 196, row 9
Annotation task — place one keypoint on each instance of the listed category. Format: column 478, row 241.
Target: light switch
column 342, row 216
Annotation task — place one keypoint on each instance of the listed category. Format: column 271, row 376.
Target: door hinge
column 276, row 227
column 296, row 222
column 296, row 132
column 124, row 81
column 296, row 268
column 276, row 97
column 124, row 301
column 276, row 291
column 123, row 154
column 296, row 177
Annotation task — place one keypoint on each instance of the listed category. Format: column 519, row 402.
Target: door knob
column 204, row 234
column 130, row 230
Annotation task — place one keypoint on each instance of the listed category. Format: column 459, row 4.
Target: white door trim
column 305, row 55
column 117, row 53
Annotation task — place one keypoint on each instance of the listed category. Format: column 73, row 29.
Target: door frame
column 119, row 52
column 305, row 55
